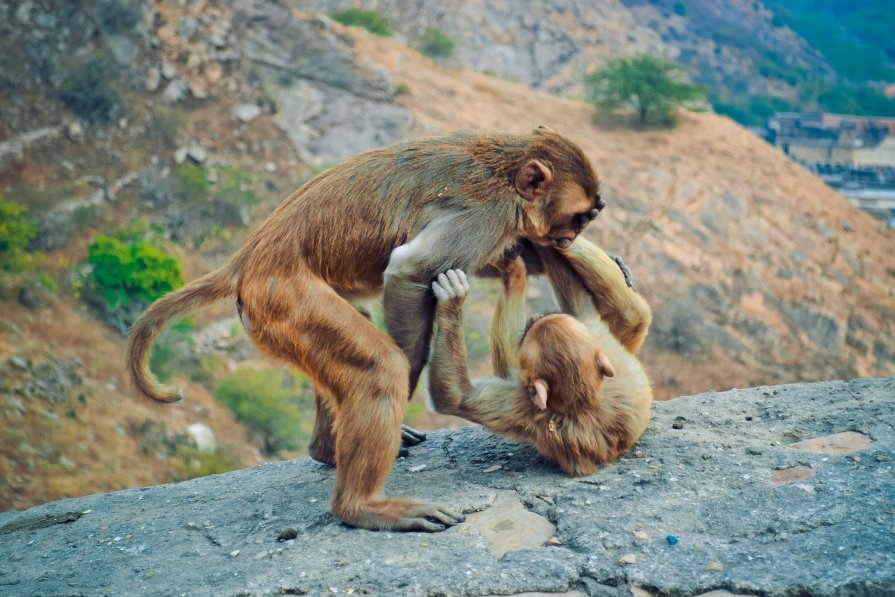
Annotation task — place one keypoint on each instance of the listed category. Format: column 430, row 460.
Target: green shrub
column 126, row 274
column 435, row 43
column 132, row 272
column 88, row 92
column 230, row 184
column 172, row 352
column 268, row 407
column 193, row 180
column 16, row 233
column 370, row 20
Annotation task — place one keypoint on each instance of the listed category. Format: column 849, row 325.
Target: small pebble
column 672, row 539
column 714, row 566
column 677, row 425
column 628, row 558
column 288, row 534
column 491, row 469
column 641, row 534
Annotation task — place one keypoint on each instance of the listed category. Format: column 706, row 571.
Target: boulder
column 769, row 491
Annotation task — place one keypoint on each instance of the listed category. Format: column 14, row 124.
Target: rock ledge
column 783, row 490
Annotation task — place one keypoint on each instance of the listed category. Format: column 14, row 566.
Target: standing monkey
column 386, row 220
column 574, row 388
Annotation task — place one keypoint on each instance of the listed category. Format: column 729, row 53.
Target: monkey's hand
column 451, row 288
column 629, row 277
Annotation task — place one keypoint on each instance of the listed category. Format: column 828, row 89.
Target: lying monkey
column 578, row 392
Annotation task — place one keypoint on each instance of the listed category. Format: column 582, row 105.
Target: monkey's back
column 344, row 223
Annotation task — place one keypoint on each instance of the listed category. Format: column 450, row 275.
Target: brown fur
column 336, row 239
column 590, row 418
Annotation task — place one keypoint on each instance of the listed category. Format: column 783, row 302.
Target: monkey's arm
column 488, row 401
column 509, row 318
column 589, row 282
column 407, row 298
column 449, row 382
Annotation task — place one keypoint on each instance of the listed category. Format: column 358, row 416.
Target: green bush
column 368, row 19
column 126, row 274
column 230, row 184
column 435, row 43
column 268, row 407
column 193, row 180
column 88, row 92
column 16, row 233
column 137, row 271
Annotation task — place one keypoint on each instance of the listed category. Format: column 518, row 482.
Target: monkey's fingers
column 441, row 294
column 411, row 436
column 463, row 280
column 454, row 276
column 629, row 277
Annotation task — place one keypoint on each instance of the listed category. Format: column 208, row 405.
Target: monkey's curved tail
column 210, row 287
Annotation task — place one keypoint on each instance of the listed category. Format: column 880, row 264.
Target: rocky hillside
column 757, row 272
column 549, row 45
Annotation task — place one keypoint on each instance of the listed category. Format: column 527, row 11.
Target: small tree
column 652, row 87
column 16, row 233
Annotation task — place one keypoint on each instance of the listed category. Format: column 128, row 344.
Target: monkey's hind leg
column 365, row 374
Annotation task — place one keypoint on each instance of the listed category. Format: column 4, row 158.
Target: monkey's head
column 561, row 361
column 560, row 189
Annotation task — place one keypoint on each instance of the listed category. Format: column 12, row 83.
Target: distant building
column 853, row 154
column 820, row 139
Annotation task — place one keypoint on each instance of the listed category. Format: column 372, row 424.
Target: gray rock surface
column 752, row 514
column 330, row 101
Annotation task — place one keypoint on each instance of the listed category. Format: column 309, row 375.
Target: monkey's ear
column 537, row 391
column 532, row 180
column 604, row 365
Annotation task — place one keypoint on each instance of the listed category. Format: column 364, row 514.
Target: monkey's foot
column 411, row 437
column 401, row 515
